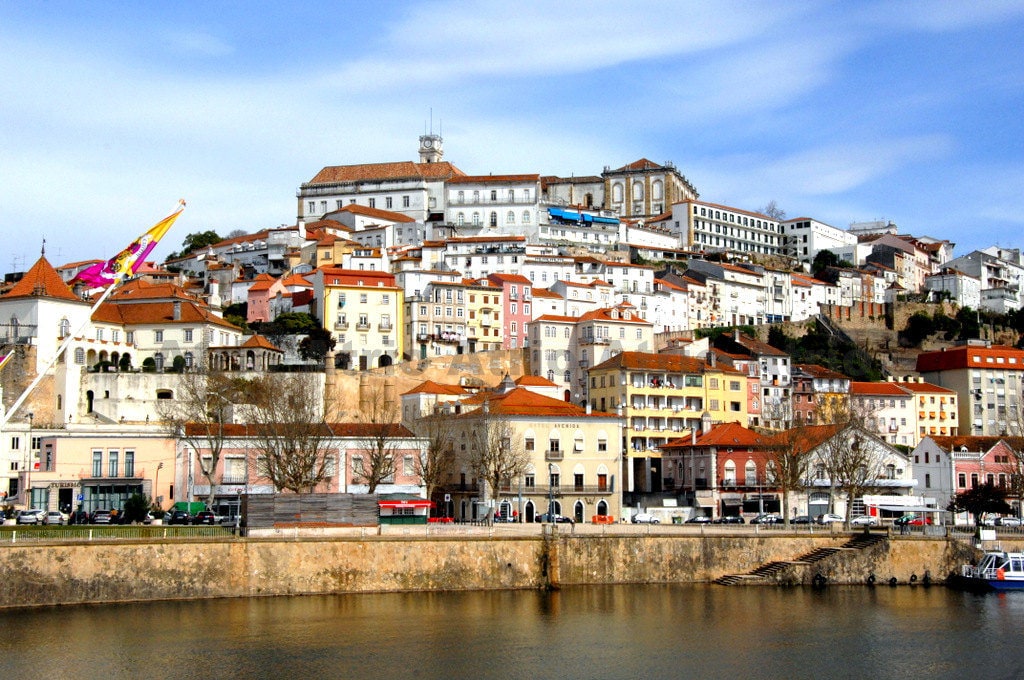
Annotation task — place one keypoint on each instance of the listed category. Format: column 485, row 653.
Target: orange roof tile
column 42, row 280
column 399, row 170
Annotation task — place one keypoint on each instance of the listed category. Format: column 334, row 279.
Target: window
column 372, row 203
column 188, row 335
column 79, row 355
column 112, row 463
column 129, row 463
column 408, row 466
column 387, row 202
column 554, row 445
column 529, row 444
column 97, row 463
column 405, row 201
column 529, row 480
column 158, row 336
column 357, row 465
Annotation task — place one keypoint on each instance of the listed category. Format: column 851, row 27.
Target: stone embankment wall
column 52, row 574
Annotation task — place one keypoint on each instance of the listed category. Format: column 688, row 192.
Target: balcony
column 234, row 479
column 594, row 341
column 553, row 455
column 385, row 327
column 362, row 326
column 340, row 325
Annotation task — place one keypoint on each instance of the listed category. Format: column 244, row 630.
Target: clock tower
column 431, row 148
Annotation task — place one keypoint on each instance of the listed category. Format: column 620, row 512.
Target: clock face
column 427, row 143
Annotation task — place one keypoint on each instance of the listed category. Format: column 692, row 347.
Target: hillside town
column 521, row 347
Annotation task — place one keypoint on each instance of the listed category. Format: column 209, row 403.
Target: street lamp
column 156, row 484
column 551, row 492
column 28, row 464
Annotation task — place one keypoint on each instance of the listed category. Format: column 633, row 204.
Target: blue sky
column 907, row 111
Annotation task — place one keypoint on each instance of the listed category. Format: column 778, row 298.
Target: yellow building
column 483, row 311
column 662, row 397
column 364, row 310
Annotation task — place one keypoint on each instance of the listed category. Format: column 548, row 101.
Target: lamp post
column 551, row 493
column 156, row 484
column 28, row 464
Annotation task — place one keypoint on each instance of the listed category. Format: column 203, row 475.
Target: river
column 685, row 631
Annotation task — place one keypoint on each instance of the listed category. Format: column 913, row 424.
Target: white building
column 805, row 237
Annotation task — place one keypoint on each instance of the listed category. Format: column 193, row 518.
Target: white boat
column 997, row 569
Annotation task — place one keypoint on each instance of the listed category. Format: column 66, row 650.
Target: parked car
column 101, row 517
column 802, row 519
column 32, row 516
column 766, row 518
column 507, row 518
column 559, row 519
column 78, row 517
column 1008, row 521
column 229, row 520
column 864, row 521
column 55, row 517
column 911, row 519
column 699, row 519
column 729, row 519
column 830, row 518
column 645, row 518
column 178, row 517
column 204, row 517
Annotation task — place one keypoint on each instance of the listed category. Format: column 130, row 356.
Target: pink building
column 517, row 312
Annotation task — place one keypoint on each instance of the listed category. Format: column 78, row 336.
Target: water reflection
column 594, row 632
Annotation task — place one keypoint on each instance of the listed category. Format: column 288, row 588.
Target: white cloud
column 198, row 42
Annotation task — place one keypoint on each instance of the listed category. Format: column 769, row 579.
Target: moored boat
column 998, row 570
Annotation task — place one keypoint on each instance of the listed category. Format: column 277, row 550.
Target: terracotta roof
column 524, row 402
column 262, row 282
column 260, row 342
column 876, row 388
column 723, row 434
column 729, row 208
column 352, row 430
column 925, row 387
column 670, row 363
column 400, row 170
column 367, row 211
column 816, row 371
column 605, row 314
column 642, row 164
column 139, row 289
column 546, row 293
column 431, row 387
column 336, row 276
column 976, row 444
column 534, row 381
column 42, row 280
column 510, row 278
column 190, row 312
column 967, row 356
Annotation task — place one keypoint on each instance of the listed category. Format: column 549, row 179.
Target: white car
column 55, row 517
column 645, row 518
column 829, row 518
column 864, row 521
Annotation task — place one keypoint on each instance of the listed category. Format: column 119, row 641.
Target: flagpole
column 60, row 350
column 122, row 271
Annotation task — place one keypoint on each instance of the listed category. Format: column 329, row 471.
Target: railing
column 22, row 534
column 362, row 326
column 340, row 325
column 553, row 455
column 233, row 479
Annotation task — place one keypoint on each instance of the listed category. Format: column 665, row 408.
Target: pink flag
column 128, row 261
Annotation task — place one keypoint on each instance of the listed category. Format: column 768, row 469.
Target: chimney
column 705, row 423
column 588, row 408
column 736, row 334
column 177, row 311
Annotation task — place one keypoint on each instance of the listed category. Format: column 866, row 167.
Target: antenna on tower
column 431, row 120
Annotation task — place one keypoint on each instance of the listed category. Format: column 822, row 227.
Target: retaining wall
column 51, row 574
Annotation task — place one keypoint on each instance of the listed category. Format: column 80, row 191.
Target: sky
column 841, row 111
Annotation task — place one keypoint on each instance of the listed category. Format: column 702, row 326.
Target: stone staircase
column 761, row 574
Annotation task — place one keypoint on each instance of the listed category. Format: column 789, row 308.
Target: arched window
column 158, row 359
column 494, row 219
column 510, row 218
column 638, row 191
column 79, row 355
column 656, row 190
column 460, row 219
column 730, row 473
column 750, row 473
column 568, row 376
column 189, row 360
column 462, row 196
column 617, row 193
column 551, row 376
column 476, row 219
column 65, row 327
column 526, row 217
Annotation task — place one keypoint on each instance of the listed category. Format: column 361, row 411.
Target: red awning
column 406, row 504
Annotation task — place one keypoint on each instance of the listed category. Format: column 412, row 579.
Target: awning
column 406, row 504
column 705, row 502
column 907, row 508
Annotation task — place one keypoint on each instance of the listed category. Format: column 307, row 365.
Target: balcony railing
column 340, row 325
column 362, row 326
column 385, row 327
column 551, row 454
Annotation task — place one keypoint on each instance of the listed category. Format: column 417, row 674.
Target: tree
column 773, row 211
column 316, row 345
column 787, row 464
column 496, row 455
column 382, row 440
column 197, row 415
column 980, row 500
column 135, row 508
column 289, row 430
column 196, row 241
column 235, row 233
column 853, row 462
column 436, row 461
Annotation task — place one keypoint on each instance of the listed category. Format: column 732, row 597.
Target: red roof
column 969, row 356
column 876, row 388
column 42, row 280
column 399, row 170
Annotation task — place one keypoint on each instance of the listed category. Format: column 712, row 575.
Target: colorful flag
column 128, row 261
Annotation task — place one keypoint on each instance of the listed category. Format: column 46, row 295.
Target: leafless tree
column 773, row 211
column 853, row 461
column 289, row 431
column 197, row 415
column 384, row 436
column 788, row 460
column 496, row 455
column 436, row 461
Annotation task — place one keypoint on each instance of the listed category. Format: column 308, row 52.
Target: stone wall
column 135, row 570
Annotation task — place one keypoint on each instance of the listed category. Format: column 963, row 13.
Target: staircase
column 760, row 574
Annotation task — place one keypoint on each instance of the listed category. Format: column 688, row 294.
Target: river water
column 685, row 631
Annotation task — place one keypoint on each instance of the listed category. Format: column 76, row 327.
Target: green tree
column 135, row 508
column 195, row 241
column 316, row 345
column 919, row 326
column 981, row 500
column 970, row 326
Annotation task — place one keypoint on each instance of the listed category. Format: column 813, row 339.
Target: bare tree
column 384, row 436
column 773, row 211
column 788, row 460
column 853, row 460
column 290, row 431
column 496, row 454
column 197, row 415
column 436, row 461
